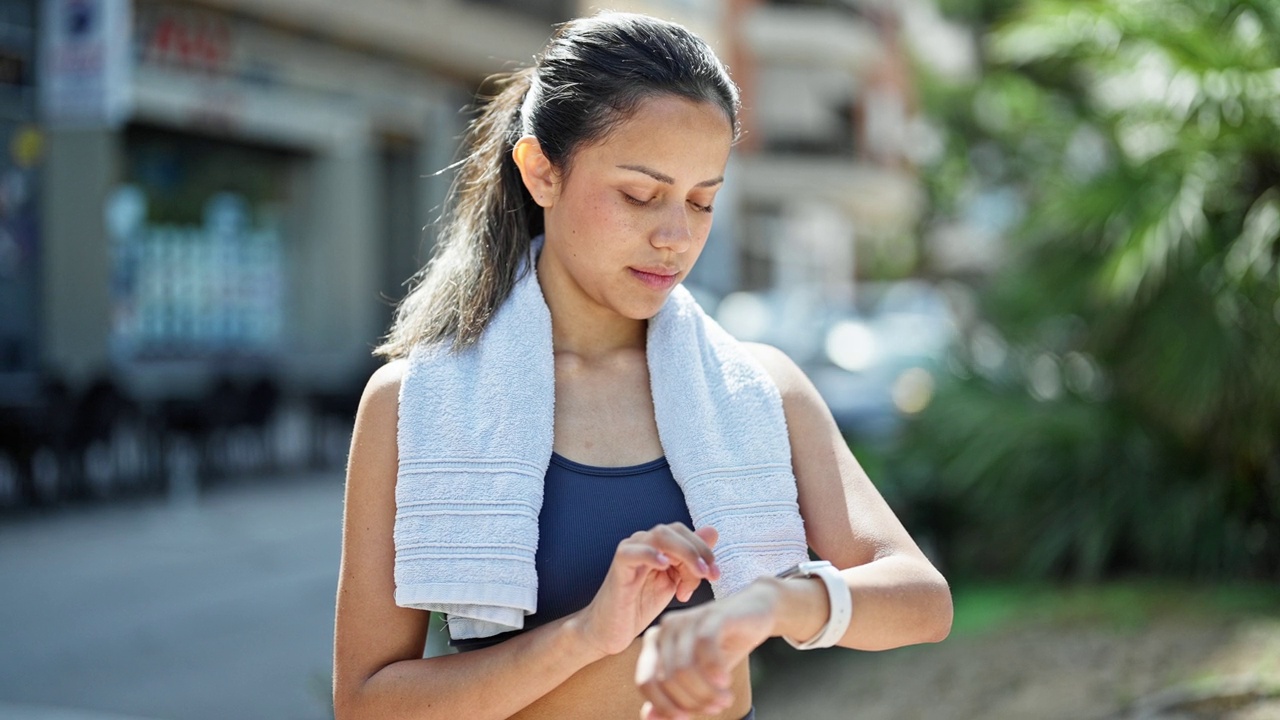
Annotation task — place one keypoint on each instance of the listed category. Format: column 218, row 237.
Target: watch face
column 803, row 569
column 790, row 572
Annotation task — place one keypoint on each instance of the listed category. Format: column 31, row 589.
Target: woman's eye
column 701, row 208
column 634, row 201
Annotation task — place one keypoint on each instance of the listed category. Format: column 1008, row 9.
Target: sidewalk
column 33, row 712
column 218, row 608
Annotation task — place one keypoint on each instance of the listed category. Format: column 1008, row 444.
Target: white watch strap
column 841, row 606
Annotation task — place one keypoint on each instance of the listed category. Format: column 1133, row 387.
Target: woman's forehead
column 682, row 140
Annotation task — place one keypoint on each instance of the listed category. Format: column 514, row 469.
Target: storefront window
column 198, row 248
column 21, row 148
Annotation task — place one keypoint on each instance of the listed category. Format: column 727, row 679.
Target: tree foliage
column 1118, row 406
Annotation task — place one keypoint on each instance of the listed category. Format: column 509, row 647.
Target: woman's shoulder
column 784, row 372
column 798, row 392
column 381, row 398
column 388, row 375
column 374, row 457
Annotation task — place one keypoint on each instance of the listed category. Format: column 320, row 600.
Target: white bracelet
column 837, row 595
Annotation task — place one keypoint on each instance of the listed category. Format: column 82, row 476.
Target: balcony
column 548, row 11
column 884, row 201
column 811, row 36
column 465, row 39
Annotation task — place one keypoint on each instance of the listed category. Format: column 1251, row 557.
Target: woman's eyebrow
column 660, row 177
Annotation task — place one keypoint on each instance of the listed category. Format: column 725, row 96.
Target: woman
column 600, row 165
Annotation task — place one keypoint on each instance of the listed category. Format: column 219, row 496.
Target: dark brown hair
column 593, row 74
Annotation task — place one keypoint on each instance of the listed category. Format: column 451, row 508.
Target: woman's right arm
column 378, row 668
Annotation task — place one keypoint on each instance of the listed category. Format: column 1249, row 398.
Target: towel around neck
column 475, row 434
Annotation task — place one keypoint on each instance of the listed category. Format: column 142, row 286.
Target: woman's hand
column 685, row 664
column 648, row 570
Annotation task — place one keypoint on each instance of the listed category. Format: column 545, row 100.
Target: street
column 218, row 607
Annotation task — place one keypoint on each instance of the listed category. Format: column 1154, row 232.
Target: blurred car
column 874, row 359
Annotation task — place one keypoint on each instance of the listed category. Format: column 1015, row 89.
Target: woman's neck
column 583, row 328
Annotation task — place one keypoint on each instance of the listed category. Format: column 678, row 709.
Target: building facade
column 20, row 188
column 251, row 189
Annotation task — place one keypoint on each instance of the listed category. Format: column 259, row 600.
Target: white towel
column 475, row 438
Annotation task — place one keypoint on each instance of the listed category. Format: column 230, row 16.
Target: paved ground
column 219, row 608
column 1213, row 666
column 223, row 608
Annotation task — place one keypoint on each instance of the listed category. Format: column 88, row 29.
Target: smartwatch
column 838, row 596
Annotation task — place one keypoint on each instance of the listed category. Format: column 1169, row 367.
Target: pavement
column 218, row 606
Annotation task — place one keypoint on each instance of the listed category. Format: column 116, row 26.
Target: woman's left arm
column 899, row 598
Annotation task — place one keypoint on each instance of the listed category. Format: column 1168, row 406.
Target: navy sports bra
column 586, row 512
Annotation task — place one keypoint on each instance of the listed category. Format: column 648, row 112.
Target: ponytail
column 487, row 226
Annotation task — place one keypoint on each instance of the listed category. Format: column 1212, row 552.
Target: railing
column 60, row 446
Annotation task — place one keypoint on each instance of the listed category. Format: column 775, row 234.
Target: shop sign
column 85, row 66
column 191, row 40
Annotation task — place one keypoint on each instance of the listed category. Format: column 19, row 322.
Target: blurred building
column 207, row 211
column 244, row 183
column 825, row 186
column 20, row 147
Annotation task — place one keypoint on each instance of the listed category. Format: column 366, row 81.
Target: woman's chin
column 647, row 310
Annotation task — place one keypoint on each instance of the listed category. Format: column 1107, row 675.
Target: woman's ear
column 540, row 177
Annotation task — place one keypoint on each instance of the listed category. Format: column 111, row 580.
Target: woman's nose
column 675, row 233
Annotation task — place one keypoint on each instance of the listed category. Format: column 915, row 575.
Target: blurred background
column 1027, row 250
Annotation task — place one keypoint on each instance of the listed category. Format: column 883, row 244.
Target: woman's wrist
column 577, row 644
column 800, row 606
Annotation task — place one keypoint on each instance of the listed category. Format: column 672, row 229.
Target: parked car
column 873, row 359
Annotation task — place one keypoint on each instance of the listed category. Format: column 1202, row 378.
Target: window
column 198, row 243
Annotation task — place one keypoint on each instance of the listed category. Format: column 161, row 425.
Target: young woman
column 603, row 161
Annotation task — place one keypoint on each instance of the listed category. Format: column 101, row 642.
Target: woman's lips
column 654, row 280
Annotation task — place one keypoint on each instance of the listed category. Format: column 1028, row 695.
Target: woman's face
column 632, row 216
